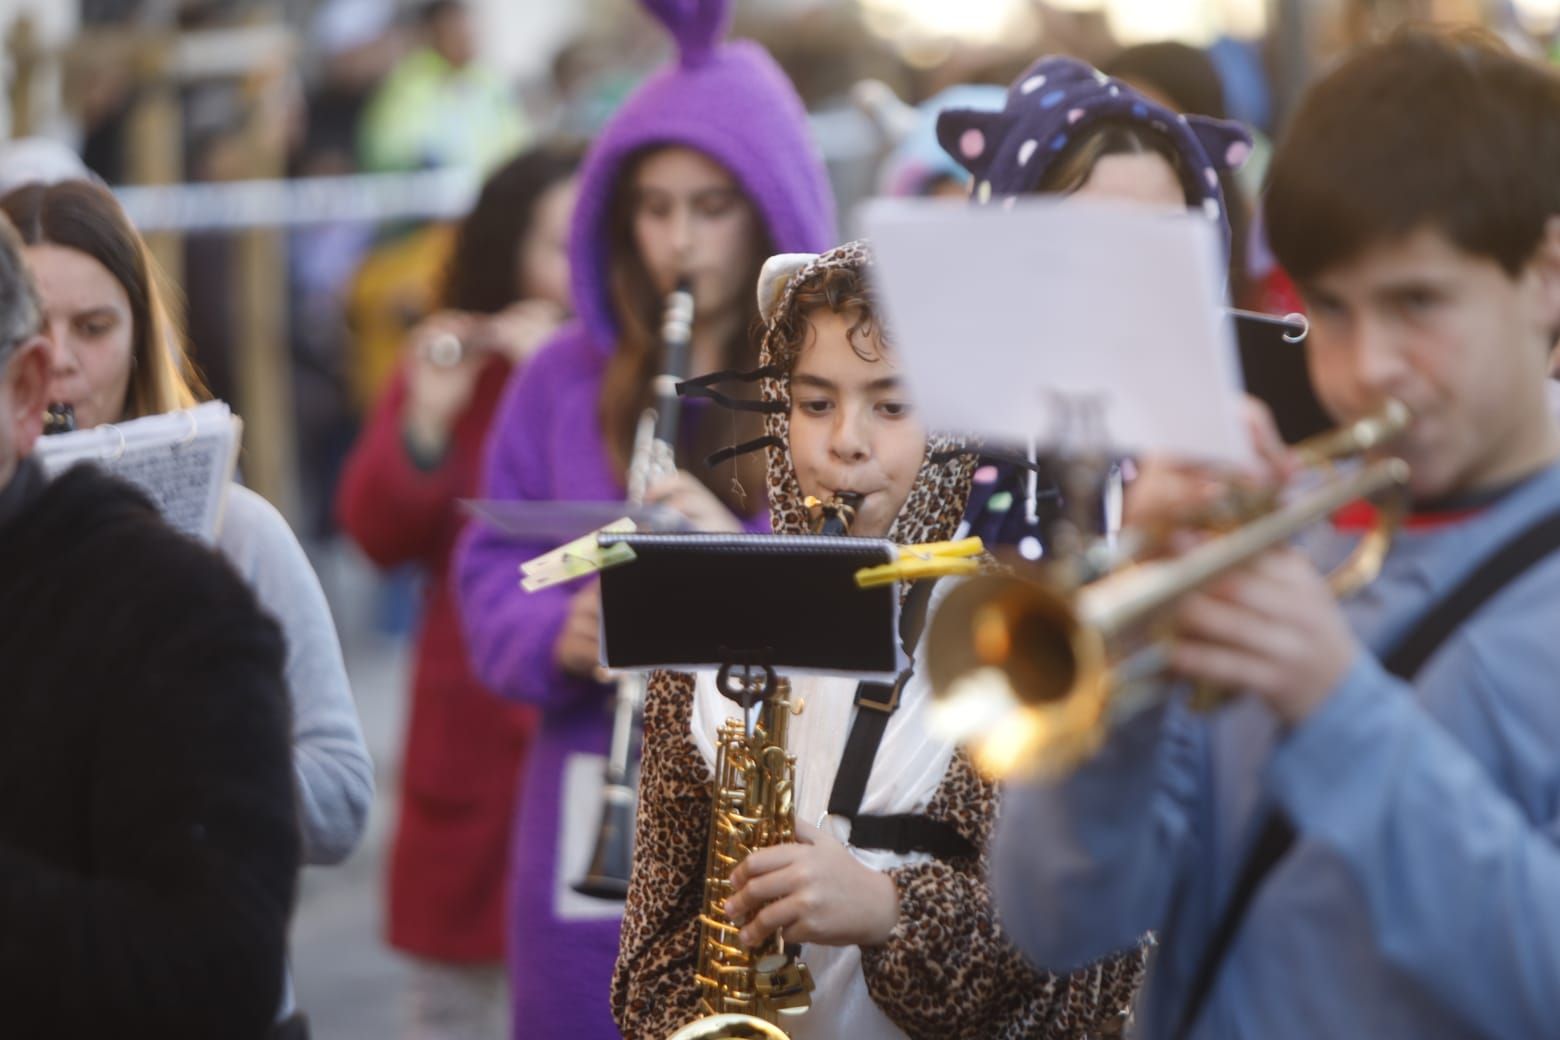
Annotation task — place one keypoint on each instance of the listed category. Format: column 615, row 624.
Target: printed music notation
column 183, row 460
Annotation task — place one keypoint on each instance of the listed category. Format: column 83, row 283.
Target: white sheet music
column 1081, row 324
column 183, row 460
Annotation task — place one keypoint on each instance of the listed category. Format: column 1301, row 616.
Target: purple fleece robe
column 731, row 102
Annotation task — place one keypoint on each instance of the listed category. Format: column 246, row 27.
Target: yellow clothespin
column 578, row 558
column 931, row 560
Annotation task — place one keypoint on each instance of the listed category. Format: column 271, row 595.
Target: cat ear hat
column 1055, row 103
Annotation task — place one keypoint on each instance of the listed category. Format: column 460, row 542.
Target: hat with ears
column 774, row 279
column 1055, row 104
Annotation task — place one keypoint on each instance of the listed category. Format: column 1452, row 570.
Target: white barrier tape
column 372, row 197
column 366, row 198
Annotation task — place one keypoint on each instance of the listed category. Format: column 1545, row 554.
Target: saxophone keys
column 782, row 981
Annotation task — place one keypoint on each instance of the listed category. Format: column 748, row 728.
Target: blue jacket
column 1422, row 895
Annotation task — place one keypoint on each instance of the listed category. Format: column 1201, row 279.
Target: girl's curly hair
column 842, row 290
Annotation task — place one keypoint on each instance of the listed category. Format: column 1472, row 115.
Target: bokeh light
column 913, row 22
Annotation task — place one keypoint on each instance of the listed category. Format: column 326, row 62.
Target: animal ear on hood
column 971, row 136
column 776, row 275
column 1228, row 144
column 697, row 26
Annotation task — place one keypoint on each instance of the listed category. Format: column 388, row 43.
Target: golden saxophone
column 746, row 992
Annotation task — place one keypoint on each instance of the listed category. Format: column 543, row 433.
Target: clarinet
column 655, row 450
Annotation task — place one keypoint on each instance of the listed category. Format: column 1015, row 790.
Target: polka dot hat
column 1055, row 103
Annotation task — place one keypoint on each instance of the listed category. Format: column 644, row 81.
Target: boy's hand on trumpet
column 1168, row 496
column 1272, row 629
column 815, row 891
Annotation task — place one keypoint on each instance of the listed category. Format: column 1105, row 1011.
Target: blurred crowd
column 401, row 333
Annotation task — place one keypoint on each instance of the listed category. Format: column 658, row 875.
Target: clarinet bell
column 607, row 875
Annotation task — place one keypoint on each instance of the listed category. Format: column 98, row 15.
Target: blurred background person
column 505, row 291
column 703, row 173
column 918, row 165
column 352, row 45
column 116, row 354
column 1184, row 79
column 441, row 105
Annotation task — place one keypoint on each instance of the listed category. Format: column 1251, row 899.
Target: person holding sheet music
column 115, row 355
column 149, row 846
column 900, row 941
column 505, row 291
column 1068, row 130
column 1368, row 842
column 705, row 171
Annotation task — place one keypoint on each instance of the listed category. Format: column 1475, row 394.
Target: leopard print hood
column 935, row 506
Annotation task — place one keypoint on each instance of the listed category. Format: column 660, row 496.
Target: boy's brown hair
column 1442, row 130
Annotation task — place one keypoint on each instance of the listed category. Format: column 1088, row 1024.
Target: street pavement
column 348, row 981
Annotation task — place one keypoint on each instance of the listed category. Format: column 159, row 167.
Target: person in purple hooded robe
column 705, row 171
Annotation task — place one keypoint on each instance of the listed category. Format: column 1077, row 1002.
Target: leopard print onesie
column 946, row 971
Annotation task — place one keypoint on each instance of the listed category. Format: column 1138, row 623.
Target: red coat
column 464, row 745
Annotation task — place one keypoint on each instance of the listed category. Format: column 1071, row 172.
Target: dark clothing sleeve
column 154, row 900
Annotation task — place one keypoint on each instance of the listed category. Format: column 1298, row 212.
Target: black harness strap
column 716, row 458
column 1404, row 660
column 735, row 404
column 726, row 375
column 875, row 702
column 909, row 832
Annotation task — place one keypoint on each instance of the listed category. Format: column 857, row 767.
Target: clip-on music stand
column 747, row 604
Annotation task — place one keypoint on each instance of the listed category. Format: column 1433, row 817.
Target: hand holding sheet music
column 183, row 460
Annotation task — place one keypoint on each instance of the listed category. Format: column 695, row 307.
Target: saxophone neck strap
column 875, row 702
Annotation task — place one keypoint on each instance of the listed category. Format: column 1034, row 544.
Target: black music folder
column 698, row 601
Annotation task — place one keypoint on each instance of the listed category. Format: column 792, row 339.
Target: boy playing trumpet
column 1366, row 843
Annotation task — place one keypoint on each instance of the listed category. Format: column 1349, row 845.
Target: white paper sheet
column 1007, row 319
column 183, row 460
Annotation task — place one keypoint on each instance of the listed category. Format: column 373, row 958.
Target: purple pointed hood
column 729, row 101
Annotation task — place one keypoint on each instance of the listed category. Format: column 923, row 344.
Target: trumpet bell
column 1022, row 681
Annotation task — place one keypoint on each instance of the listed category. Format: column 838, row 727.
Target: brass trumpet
column 1032, row 676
